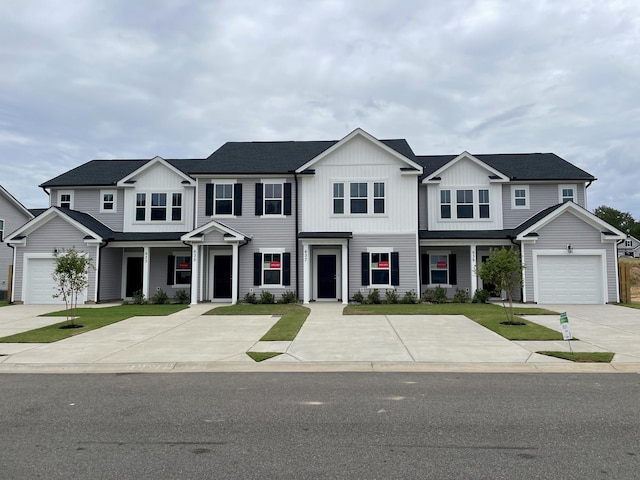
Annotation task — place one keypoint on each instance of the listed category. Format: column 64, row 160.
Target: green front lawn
column 3, row 303
column 90, row 319
column 488, row 315
column 285, row 329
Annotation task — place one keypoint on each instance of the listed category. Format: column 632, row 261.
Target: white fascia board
column 149, row 164
column 43, row 218
column 359, row 132
column 502, row 177
column 212, row 225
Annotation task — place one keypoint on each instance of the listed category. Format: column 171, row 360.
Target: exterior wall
column 89, row 200
column 110, row 274
column 58, row 234
column 158, row 271
column 465, row 174
column 423, row 207
column 159, row 179
column 405, row 245
column 463, row 269
column 13, row 219
column 541, row 196
column 565, row 229
column 359, row 160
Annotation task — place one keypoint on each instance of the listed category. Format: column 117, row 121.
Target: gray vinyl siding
column 110, row 274
column 57, row 234
column 541, row 196
column 423, row 207
column 565, row 229
column 13, row 219
column 405, row 245
column 89, row 200
column 158, row 271
column 463, row 269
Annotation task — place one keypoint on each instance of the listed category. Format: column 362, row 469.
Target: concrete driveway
column 191, row 341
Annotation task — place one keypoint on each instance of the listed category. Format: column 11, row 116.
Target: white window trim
column 475, row 205
column 568, row 185
column 1, row 229
column 526, row 197
column 115, row 201
column 440, row 204
column 370, row 198
column 334, row 198
column 267, row 251
column 168, row 208
column 440, row 253
column 372, row 250
column 175, row 269
column 272, row 181
column 66, row 192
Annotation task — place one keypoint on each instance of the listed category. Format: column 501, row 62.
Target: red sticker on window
column 383, row 264
column 274, row 265
column 441, row 265
column 183, row 265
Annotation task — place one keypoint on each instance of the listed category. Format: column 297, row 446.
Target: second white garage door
column 39, row 286
column 573, row 279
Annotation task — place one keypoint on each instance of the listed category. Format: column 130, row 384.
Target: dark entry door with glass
column 489, row 287
column 222, row 276
column 134, row 276
column 326, row 276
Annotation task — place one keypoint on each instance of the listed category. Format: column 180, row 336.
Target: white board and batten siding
column 159, row 179
column 359, row 160
column 465, row 175
column 553, row 275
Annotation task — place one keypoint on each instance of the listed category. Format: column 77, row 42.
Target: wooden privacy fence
column 624, row 269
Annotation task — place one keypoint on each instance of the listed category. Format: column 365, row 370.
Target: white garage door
column 575, row 279
column 39, row 286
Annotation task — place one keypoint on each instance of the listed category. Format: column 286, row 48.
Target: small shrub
column 461, row 296
column 138, row 298
column 160, row 298
column 250, row 298
column 374, row 296
column 358, row 297
column 182, row 297
column 481, row 296
column 288, row 297
column 391, row 296
column 428, row 296
column 410, row 297
column 267, row 297
column 440, row 294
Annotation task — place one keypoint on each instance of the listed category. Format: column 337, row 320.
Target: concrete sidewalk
column 328, row 341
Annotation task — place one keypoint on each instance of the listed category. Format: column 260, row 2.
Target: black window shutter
column 209, row 200
column 171, row 266
column 287, row 199
column 258, row 199
column 453, row 277
column 257, row 269
column 237, row 199
column 425, row 269
column 365, row 268
column 286, row 268
column 395, row 268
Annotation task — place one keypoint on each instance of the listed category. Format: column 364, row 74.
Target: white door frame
column 213, row 253
column 123, row 283
column 337, row 251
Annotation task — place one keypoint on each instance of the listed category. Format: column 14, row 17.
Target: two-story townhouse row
column 324, row 219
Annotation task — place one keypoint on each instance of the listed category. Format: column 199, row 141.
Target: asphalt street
column 320, row 425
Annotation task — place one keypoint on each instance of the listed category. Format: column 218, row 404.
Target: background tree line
column 623, row 221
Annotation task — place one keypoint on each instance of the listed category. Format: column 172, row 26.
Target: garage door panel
column 39, row 286
column 573, row 279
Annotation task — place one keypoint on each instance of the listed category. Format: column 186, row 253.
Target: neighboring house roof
column 15, row 202
column 517, row 166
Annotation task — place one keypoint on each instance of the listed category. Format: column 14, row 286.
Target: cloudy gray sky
column 137, row 78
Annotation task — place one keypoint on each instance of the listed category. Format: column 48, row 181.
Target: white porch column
column 146, row 269
column 345, row 274
column 306, row 262
column 474, row 269
column 234, row 273
column 195, row 269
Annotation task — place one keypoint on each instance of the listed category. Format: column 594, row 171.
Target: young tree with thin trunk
column 71, row 275
column 504, row 269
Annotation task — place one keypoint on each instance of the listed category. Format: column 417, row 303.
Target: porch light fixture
column 569, row 248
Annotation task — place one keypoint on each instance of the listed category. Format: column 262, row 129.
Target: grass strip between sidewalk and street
column 262, row 356
column 488, row 315
column 581, row 357
column 90, row 319
column 284, row 330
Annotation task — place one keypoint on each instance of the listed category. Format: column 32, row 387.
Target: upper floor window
column 520, row 196
column 273, row 199
column 378, row 197
column 445, row 203
column 223, row 199
column 464, row 199
column 1, row 230
column 338, row 198
column 65, row 200
column 483, row 203
column 567, row 193
column 358, row 197
column 158, row 209
column 107, row 201
column 627, row 243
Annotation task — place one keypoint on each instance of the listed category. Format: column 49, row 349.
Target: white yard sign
column 566, row 330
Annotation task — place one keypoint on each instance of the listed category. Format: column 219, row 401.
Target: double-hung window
column 380, row 268
column 338, row 198
column 176, row 207
column 107, row 201
column 520, row 196
column 223, row 199
column 271, row 268
column 158, row 206
column 439, row 269
column 1, row 230
column 141, row 207
column 359, row 197
column 464, row 200
column 273, row 199
column 182, row 270
column 445, row 203
column 378, row 197
column 65, row 200
column 567, row 193
column 483, row 203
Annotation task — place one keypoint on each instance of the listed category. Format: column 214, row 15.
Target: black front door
column 222, row 276
column 134, row 276
column 489, row 287
column 326, row 276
